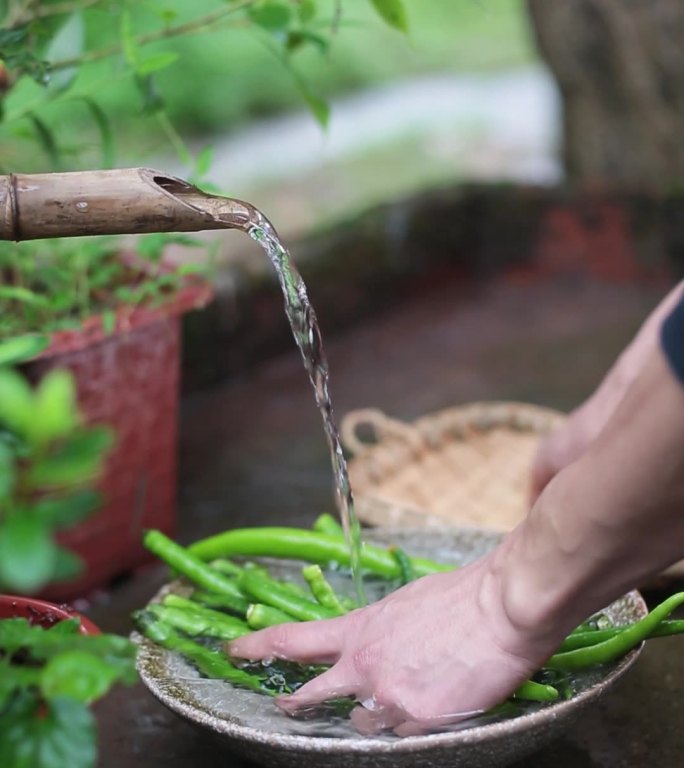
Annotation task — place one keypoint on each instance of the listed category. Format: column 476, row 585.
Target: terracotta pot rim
column 61, row 611
column 194, row 294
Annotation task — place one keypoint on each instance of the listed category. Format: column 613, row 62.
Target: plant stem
column 26, row 16
column 188, row 28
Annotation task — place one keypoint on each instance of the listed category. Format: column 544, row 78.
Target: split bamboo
column 126, row 201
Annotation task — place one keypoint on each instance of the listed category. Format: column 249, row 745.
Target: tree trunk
column 620, row 68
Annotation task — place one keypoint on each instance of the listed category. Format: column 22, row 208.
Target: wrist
column 546, row 568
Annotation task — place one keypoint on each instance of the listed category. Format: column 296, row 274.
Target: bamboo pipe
column 126, row 201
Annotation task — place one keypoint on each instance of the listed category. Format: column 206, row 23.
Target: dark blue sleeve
column 672, row 338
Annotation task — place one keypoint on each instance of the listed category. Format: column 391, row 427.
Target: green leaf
column 46, row 139
column 16, row 402
column 203, row 161
column 156, row 63
column 67, row 566
column 23, row 295
column 109, row 321
column 191, row 269
column 17, row 56
column 56, row 412
column 129, row 44
column 78, row 460
column 307, row 10
column 39, row 645
column 393, row 12
column 106, row 134
column 22, row 348
column 66, row 44
column 271, row 15
column 12, row 678
column 153, row 102
column 65, row 628
column 62, row 736
column 301, row 37
column 14, row 36
column 27, row 553
column 77, row 675
column 319, row 107
column 152, row 246
column 7, row 472
column 66, row 511
column 14, row 634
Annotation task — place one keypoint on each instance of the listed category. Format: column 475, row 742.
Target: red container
column 128, row 380
column 42, row 613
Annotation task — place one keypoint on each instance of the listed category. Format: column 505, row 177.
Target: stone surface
column 253, row 453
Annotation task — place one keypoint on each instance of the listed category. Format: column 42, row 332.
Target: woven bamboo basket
column 464, row 466
column 467, row 465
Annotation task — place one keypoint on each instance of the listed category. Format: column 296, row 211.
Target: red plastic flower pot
column 42, row 613
column 127, row 379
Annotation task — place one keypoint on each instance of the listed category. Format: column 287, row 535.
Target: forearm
column 610, row 519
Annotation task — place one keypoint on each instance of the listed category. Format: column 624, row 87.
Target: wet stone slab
column 253, row 453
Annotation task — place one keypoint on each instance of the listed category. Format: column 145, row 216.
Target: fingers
column 313, row 642
column 337, row 683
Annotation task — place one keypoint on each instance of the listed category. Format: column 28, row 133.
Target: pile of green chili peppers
column 230, row 599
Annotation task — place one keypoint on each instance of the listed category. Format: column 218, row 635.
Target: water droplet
column 82, row 205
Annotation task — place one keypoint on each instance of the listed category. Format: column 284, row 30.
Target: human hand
column 434, row 652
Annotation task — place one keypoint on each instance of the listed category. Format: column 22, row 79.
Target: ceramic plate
column 253, row 726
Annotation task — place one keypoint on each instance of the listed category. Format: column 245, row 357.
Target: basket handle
column 382, row 426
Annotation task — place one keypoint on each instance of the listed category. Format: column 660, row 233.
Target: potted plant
column 113, row 320
column 53, row 662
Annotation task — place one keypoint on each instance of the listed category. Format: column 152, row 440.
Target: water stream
column 307, row 334
column 236, row 214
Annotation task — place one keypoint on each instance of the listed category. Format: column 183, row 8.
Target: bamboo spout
column 127, row 201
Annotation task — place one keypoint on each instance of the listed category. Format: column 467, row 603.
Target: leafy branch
column 196, row 26
column 25, row 13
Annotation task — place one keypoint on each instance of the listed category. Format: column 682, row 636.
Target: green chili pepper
column 235, row 605
column 531, row 691
column 226, row 567
column 326, row 523
column 618, row 645
column 191, row 567
column 321, row 589
column 584, row 639
column 209, row 614
column 210, row 663
column 260, row 616
column 300, row 544
column 271, row 592
column 406, row 573
column 197, row 624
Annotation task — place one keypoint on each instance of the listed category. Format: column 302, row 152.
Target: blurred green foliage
column 250, row 58
column 48, row 463
column 53, row 285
